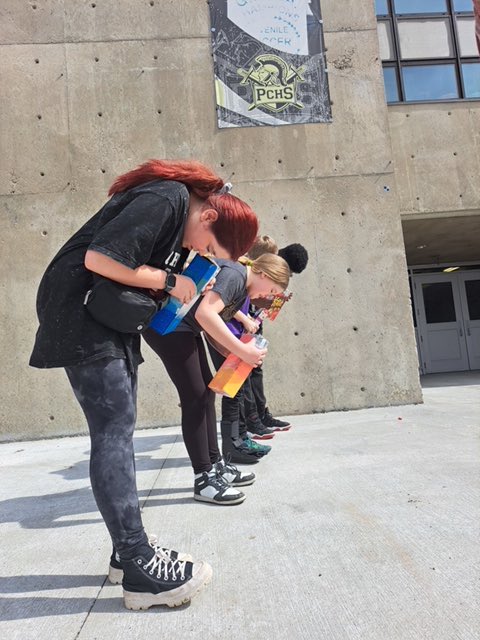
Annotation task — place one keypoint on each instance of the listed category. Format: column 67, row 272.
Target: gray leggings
column 107, row 393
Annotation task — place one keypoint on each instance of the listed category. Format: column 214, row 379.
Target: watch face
column 170, row 282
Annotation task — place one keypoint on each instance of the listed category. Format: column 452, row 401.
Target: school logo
column 273, row 83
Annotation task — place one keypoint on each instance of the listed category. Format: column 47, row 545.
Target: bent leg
column 179, row 352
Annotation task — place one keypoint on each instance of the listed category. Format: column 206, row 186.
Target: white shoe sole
column 115, row 576
column 220, row 502
column 174, row 597
column 242, row 483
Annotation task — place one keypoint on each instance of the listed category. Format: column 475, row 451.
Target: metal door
column 469, row 285
column 440, row 323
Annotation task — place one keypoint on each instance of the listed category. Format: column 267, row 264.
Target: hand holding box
column 234, row 371
column 201, row 270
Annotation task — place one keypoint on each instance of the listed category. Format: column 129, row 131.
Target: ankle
column 210, row 472
column 144, row 550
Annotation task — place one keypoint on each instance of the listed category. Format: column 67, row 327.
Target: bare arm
column 249, row 324
column 144, row 276
column 207, row 315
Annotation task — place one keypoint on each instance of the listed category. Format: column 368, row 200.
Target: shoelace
column 228, row 466
column 153, row 542
column 231, row 467
column 164, row 566
column 219, row 479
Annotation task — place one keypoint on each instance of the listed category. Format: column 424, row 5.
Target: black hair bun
column 296, row 257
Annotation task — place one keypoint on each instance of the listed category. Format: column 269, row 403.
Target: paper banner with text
column 269, row 62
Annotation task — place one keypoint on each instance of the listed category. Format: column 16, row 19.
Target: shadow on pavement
column 51, row 510
column 24, row 584
column 79, row 470
column 39, row 606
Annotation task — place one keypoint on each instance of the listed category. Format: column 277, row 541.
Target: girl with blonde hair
column 184, row 356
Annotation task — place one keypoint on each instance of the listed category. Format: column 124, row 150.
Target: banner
column 269, row 62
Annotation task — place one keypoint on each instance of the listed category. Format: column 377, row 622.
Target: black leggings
column 185, row 359
column 107, row 393
column 256, row 383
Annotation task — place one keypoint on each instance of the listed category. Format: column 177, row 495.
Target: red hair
column 236, row 226
column 195, row 175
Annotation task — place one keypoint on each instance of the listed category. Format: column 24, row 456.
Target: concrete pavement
column 362, row 525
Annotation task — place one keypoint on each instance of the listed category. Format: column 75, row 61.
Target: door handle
column 461, row 333
column 469, row 333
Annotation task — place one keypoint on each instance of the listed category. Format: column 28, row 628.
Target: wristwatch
column 170, row 282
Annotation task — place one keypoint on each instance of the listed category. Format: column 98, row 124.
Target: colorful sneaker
column 242, row 454
column 232, row 475
column 115, row 570
column 154, row 580
column 260, row 432
column 274, row 423
column 212, row 487
column 253, row 448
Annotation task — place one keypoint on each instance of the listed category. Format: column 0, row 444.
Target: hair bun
column 296, row 256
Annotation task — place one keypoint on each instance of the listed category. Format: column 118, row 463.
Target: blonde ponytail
column 273, row 267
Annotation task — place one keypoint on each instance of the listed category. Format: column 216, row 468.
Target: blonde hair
column 273, row 266
column 262, row 244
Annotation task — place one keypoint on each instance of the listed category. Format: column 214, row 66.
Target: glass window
column 466, row 36
column 472, row 289
column 438, row 301
column 463, row 5
column 425, row 39
column 430, row 82
column 391, row 84
column 471, row 79
column 420, row 6
column 429, row 50
column 385, row 40
column 381, row 7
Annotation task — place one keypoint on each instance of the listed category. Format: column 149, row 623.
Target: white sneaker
column 212, row 487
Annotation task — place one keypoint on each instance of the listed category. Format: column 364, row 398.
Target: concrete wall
column 436, row 151
column 90, row 89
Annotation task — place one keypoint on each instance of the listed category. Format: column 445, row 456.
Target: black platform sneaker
column 115, row 570
column 212, row 487
column 155, row 580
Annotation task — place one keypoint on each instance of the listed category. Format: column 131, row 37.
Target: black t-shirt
column 231, row 286
column 143, row 225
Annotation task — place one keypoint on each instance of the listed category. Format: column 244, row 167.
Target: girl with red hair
column 141, row 237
